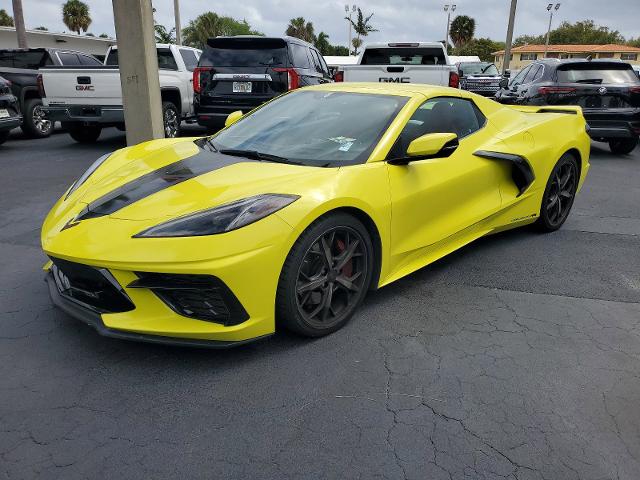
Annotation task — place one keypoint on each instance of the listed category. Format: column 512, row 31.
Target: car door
column 523, row 89
column 435, row 199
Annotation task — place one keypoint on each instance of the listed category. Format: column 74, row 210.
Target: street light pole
column 349, row 12
column 446, row 38
column 507, row 47
column 176, row 14
column 549, row 9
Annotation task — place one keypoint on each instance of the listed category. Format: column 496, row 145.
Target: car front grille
column 5, row 90
column 94, row 288
column 202, row 297
column 479, row 85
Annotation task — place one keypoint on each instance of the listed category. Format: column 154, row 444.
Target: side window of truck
column 67, row 58
column 190, row 59
column 299, row 56
column 166, row 60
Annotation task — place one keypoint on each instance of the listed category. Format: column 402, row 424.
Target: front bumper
column 85, row 114
column 10, row 123
column 94, row 320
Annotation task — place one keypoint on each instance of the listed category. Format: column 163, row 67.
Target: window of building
column 629, row 56
column 605, row 55
column 528, row 56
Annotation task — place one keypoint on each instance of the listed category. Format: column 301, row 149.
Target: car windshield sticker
column 345, row 146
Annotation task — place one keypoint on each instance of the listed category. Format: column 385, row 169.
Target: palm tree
column 362, row 28
column 6, row 20
column 163, row 35
column 357, row 43
column 462, row 30
column 322, row 43
column 210, row 25
column 300, row 28
column 75, row 15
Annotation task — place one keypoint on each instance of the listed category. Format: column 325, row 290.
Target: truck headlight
column 223, row 218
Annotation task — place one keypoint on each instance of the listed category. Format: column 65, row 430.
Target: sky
column 395, row 20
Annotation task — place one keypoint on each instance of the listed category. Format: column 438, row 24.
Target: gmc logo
column 394, row 80
column 85, row 88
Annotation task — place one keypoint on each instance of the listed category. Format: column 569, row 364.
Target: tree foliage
column 43, row 28
column 6, row 20
column 482, row 47
column 300, row 28
column 462, row 30
column 163, row 35
column 75, row 15
column 584, row 32
column 211, row 25
column 322, row 43
column 362, row 26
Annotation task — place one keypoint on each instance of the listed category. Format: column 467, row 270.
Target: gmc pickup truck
column 419, row 62
column 88, row 99
column 21, row 67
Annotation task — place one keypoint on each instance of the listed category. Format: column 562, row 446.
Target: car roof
column 286, row 38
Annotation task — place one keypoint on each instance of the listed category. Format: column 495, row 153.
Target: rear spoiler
column 567, row 109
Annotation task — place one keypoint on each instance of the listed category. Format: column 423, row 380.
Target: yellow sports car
column 294, row 211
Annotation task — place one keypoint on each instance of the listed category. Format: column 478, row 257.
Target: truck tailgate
column 81, row 86
column 429, row 74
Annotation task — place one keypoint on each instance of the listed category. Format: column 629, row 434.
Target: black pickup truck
column 20, row 67
column 9, row 115
column 607, row 90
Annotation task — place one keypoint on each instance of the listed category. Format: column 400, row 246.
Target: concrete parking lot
column 517, row 357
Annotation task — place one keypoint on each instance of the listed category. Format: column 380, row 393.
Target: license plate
column 241, row 87
column 4, row 113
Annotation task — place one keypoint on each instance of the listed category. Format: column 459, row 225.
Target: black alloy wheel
column 559, row 194
column 326, row 276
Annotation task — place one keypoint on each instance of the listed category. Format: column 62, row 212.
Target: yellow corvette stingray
column 291, row 213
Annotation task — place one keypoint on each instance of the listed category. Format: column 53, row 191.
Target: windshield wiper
column 255, row 155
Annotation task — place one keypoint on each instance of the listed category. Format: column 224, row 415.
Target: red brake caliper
column 347, row 270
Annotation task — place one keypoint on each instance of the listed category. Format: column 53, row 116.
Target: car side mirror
column 431, row 145
column 504, row 82
column 233, row 118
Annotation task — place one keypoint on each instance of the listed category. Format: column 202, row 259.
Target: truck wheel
column 35, row 123
column 3, row 136
column 84, row 134
column 622, row 146
column 171, row 120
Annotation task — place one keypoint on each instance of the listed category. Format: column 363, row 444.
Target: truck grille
column 480, row 85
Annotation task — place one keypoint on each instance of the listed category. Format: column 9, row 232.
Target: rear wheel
column 623, row 146
column 4, row 134
column 559, row 194
column 171, row 120
column 326, row 276
column 84, row 134
column 35, row 123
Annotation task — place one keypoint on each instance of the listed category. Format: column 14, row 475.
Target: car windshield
column 586, row 73
column 318, row 128
column 478, row 69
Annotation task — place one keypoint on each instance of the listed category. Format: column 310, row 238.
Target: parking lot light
column 550, row 9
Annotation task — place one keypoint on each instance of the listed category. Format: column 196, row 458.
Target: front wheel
column 559, row 194
column 84, row 134
column 171, row 120
column 623, row 146
column 326, row 276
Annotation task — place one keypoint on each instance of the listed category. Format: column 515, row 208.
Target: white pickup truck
column 419, row 62
column 87, row 99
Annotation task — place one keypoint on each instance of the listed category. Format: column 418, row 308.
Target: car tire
column 559, row 194
column 4, row 135
column 170, row 120
column 84, row 134
column 326, row 276
column 35, row 123
column 623, row 146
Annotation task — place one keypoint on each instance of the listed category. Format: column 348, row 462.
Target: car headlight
column 83, row 178
column 223, row 218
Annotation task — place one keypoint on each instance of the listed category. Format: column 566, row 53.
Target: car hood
column 169, row 178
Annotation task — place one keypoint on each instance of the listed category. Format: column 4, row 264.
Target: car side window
column 189, row 58
column 531, row 74
column 299, row 56
column 316, row 61
column 539, row 73
column 166, row 60
column 440, row 115
column 323, row 64
column 517, row 80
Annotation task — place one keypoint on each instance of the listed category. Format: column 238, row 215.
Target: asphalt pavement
column 517, row 357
